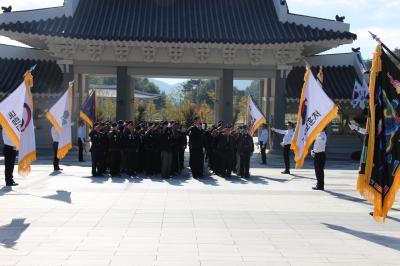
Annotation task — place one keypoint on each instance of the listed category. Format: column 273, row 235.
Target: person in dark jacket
column 115, row 141
column 182, row 142
column 245, row 149
column 166, row 148
column 131, row 146
column 99, row 143
column 149, row 147
column 196, row 146
column 225, row 147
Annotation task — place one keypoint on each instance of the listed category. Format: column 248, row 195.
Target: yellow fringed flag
column 316, row 110
column 16, row 118
column 379, row 175
column 60, row 117
column 88, row 112
column 256, row 116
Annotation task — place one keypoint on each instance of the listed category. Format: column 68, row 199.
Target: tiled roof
column 338, row 81
column 210, row 21
column 47, row 75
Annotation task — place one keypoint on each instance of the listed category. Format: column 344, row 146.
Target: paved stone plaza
column 271, row 219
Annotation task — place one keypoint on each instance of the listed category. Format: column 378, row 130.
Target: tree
column 140, row 109
column 198, row 91
column 188, row 113
column 108, row 109
column 205, row 112
column 150, row 110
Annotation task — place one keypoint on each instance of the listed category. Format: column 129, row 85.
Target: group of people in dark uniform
column 154, row 148
column 149, row 148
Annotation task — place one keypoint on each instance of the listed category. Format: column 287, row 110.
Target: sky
column 378, row 16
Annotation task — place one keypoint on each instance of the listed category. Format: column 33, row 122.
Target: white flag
column 60, row 117
column 256, row 116
column 360, row 93
column 316, row 110
column 16, row 118
column 27, row 149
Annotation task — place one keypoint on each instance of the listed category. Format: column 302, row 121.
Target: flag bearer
column 318, row 153
column 10, row 154
column 286, row 142
column 263, row 141
column 56, row 138
column 81, row 139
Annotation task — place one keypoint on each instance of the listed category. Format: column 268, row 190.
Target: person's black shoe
column 12, row 184
column 371, row 213
column 57, row 169
column 81, row 161
column 318, row 188
column 286, row 172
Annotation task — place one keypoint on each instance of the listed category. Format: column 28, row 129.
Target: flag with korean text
column 16, row 118
column 316, row 110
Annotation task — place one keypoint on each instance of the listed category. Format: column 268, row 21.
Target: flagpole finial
column 375, row 37
column 32, row 68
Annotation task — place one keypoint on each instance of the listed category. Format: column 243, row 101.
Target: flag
column 360, row 93
column 256, row 116
column 379, row 175
column 316, row 110
column 60, row 117
column 16, row 118
column 27, row 149
column 88, row 113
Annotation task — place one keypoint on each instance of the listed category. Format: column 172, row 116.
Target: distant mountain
column 242, row 84
column 164, row 87
column 168, row 88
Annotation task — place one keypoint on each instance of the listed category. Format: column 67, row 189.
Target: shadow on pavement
column 386, row 241
column 56, row 173
column 208, row 180
column 61, row 195
column 12, row 232
column 346, row 197
column 4, row 190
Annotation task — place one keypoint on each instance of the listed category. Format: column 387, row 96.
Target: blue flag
column 88, row 112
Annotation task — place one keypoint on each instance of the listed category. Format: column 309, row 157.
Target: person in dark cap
column 149, row 147
column 182, row 144
column 166, row 148
column 140, row 131
column 245, row 149
column 216, row 152
column 131, row 148
column 286, row 143
column 196, row 146
column 97, row 149
column 226, row 146
column 115, row 141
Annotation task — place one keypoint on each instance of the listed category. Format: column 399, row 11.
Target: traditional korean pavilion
column 214, row 39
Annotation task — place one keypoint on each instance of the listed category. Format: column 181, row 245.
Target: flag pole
column 322, row 86
column 10, row 90
column 378, row 40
